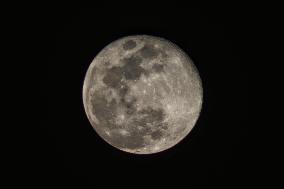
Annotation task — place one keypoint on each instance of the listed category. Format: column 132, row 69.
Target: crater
column 128, row 45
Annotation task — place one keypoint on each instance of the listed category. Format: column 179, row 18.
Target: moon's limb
column 142, row 94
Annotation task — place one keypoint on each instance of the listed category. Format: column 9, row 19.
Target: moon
column 142, row 94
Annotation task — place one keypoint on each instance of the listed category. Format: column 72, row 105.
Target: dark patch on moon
column 130, row 44
column 103, row 110
column 133, row 60
column 113, row 77
column 132, row 69
column 158, row 67
column 149, row 51
column 151, row 115
column 156, row 135
column 133, row 72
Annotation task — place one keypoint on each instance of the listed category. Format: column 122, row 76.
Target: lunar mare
column 142, row 94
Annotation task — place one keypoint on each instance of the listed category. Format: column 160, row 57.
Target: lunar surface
column 142, row 94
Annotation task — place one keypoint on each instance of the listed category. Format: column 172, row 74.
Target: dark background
column 217, row 152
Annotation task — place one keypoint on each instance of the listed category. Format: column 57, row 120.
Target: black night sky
column 215, row 153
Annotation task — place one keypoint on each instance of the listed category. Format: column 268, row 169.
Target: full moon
column 142, row 94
